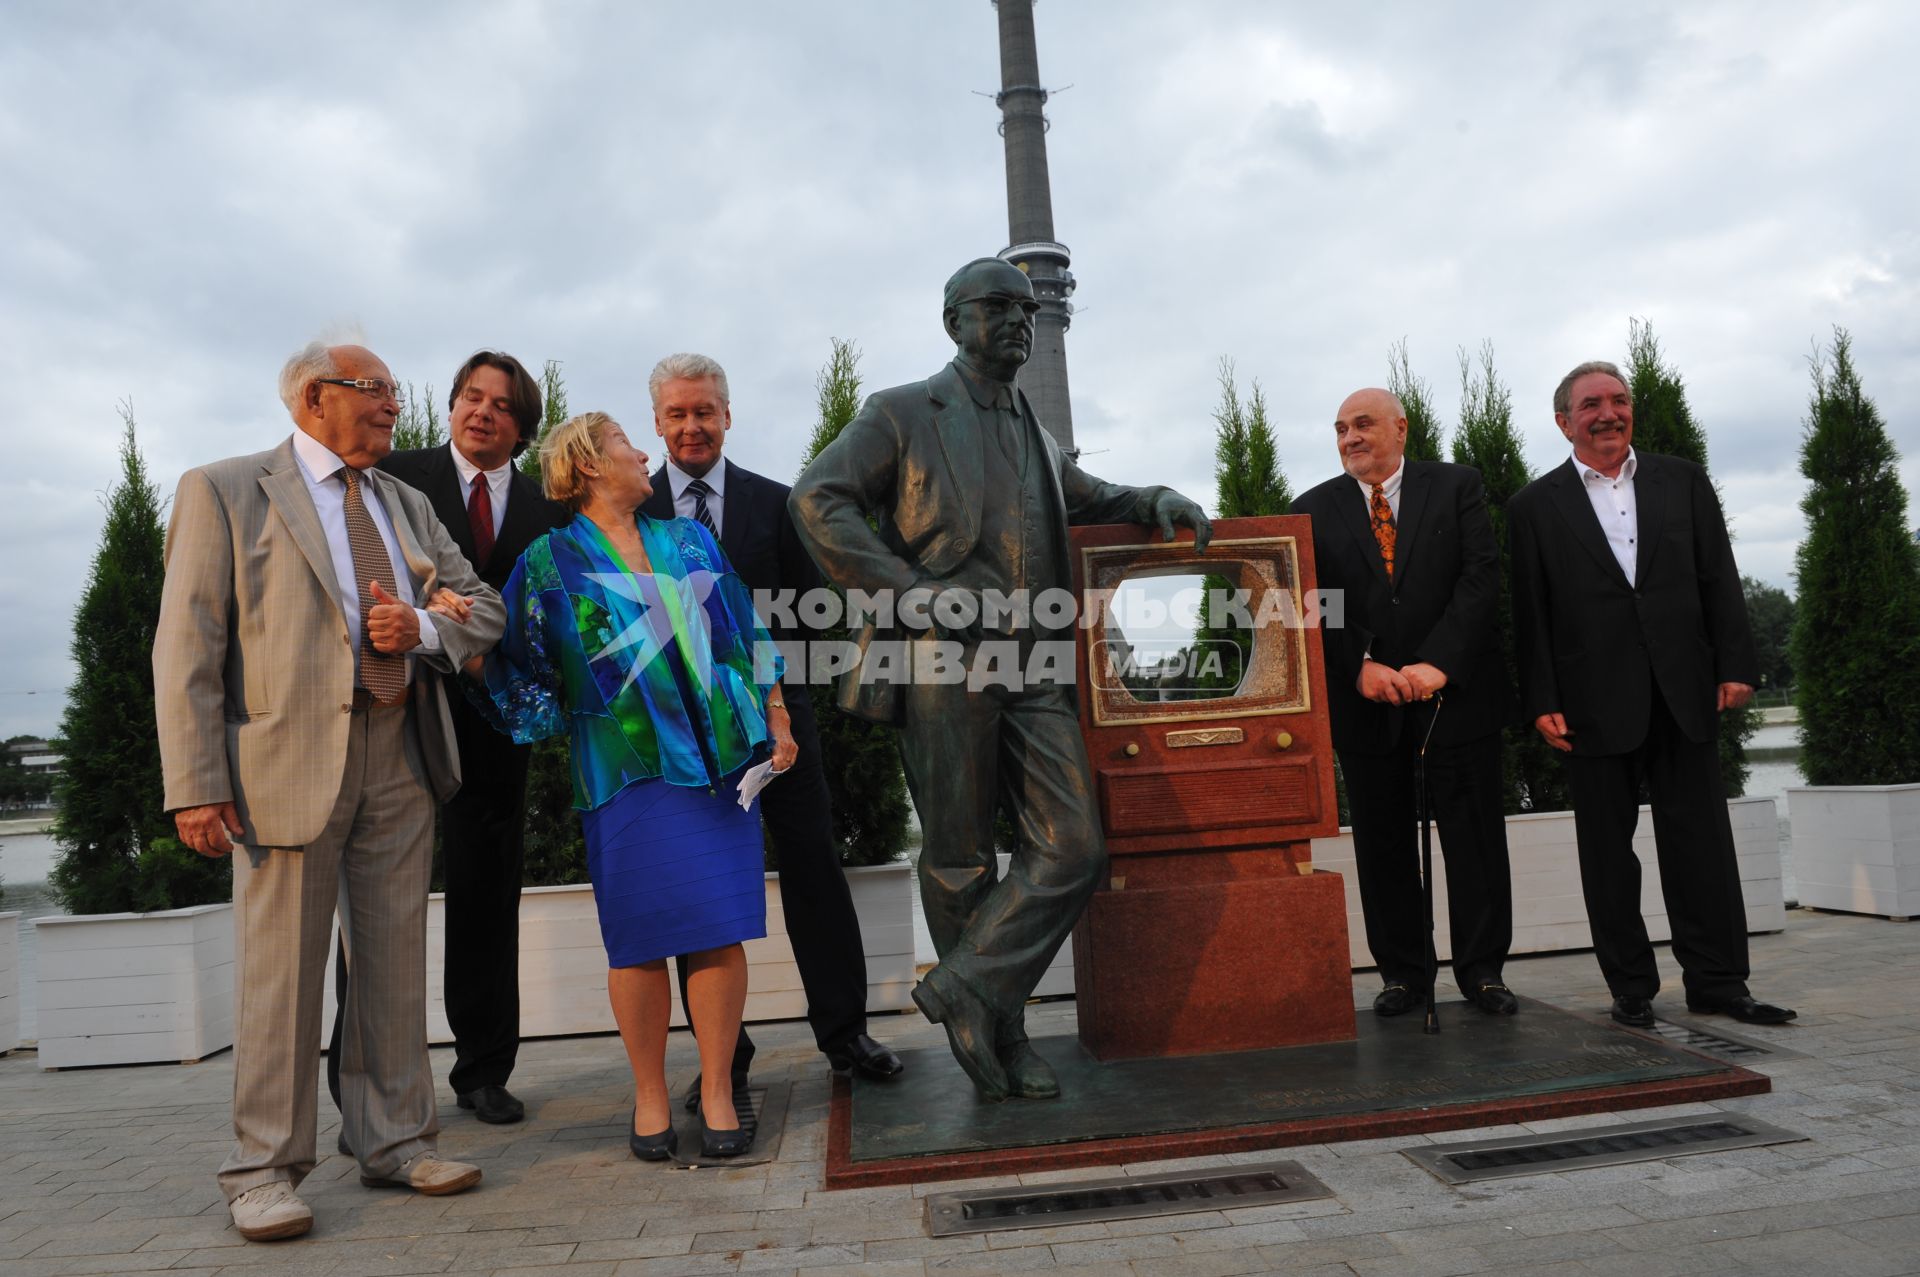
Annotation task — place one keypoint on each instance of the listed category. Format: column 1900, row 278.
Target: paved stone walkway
column 111, row 1171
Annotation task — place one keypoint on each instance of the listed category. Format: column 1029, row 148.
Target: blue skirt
column 675, row 869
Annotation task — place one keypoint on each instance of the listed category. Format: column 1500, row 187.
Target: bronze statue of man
column 971, row 499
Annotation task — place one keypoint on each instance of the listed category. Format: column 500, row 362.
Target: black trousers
column 1464, row 790
column 483, row 841
column 821, row 922
column 1699, row 870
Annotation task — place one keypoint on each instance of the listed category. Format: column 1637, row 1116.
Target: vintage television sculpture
column 1212, row 767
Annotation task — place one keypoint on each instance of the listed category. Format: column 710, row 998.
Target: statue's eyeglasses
column 375, row 386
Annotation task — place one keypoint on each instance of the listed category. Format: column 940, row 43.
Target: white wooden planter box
column 9, row 981
column 1549, row 912
column 1857, row 848
column 134, row 988
column 563, row 966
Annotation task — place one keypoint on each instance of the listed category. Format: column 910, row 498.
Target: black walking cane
column 1426, row 862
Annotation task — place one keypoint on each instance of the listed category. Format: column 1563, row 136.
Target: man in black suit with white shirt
column 1632, row 636
column 492, row 512
column 747, row 514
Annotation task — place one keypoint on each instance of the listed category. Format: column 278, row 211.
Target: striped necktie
column 384, row 674
column 701, row 492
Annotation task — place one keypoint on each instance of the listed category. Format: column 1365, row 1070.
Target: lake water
column 25, row 861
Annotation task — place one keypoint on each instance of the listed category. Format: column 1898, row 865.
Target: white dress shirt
column 328, row 488
column 1391, row 488
column 1615, row 507
column 716, row 478
column 499, row 479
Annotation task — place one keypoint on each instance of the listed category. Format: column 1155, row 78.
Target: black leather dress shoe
column 862, row 1054
column 340, row 1142
column 1743, row 1009
column 1395, row 999
column 1633, row 1012
column 1494, row 999
column 724, row 1143
column 652, row 1148
column 495, row 1104
column 970, row 1033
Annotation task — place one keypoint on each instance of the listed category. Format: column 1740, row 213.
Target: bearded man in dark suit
column 1632, row 636
column 492, row 512
column 1411, row 548
column 747, row 514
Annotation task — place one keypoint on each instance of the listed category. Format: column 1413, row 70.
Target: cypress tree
column 1424, row 434
column 862, row 759
column 1856, row 634
column 117, row 850
column 1663, row 423
column 1246, row 457
column 418, row 425
column 1486, row 440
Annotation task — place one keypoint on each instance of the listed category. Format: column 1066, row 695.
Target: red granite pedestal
column 1165, row 964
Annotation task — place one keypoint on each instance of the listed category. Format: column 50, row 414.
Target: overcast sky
column 191, row 191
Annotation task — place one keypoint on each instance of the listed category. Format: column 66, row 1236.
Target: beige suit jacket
column 252, row 663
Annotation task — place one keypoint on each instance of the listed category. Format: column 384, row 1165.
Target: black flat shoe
column 495, row 1104
column 652, row 1148
column 862, row 1054
column 1635, row 1013
column 1743, row 1009
column 1395, row 999
column 724, row 1143
column 1494, row 999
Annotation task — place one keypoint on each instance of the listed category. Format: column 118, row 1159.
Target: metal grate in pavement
column 1718, row 1043
column 1654, row 1141
column 1121, row 1197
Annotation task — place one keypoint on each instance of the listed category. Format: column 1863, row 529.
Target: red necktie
column 480, row 518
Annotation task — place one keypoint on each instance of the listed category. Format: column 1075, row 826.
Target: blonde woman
column 633, row 637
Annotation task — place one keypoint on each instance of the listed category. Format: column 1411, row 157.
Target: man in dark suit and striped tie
column 747, row 514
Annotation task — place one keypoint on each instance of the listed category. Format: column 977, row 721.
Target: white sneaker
column 270, row 1212
column 427, row 1174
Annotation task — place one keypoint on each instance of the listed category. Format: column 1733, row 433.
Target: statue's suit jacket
column 914, row 457
column 252, row 662
column 1595, row 646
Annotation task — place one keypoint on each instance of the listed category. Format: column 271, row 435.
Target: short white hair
column 304, row 367
column 686, row 367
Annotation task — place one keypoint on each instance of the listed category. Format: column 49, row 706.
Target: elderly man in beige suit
column 297, row 721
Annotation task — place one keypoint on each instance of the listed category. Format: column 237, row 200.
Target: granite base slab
column 1480, row 1070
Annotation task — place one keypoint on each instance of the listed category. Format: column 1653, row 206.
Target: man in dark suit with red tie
column 747, row 514
column 1409, row 545
column 492, row 512
column 1631, row 631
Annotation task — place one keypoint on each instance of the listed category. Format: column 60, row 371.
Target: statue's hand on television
column 1169, row 508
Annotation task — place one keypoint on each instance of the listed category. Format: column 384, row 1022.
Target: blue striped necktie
column 701, row 492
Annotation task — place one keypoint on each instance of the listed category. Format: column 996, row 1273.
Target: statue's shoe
column 1028, row 1076
column 969, row 1026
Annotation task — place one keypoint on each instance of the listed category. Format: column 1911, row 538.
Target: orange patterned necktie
column 1383, row 532
column 384, row 674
